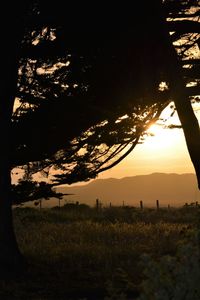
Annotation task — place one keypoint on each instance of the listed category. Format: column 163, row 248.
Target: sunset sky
column 166, row 151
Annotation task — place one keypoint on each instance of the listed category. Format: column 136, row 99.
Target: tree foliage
column 27, row 190
column 90, row 84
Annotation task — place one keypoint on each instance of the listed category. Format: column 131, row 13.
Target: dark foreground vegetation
column 78, row 252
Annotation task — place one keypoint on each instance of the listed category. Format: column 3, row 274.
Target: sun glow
column 161, row 138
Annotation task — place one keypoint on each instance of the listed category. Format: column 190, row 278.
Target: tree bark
column 179, row 93
column 188, row 121
column 191, row 130
column 183, row 105
column 10, row 256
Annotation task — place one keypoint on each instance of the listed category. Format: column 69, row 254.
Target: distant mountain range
column 173, row 189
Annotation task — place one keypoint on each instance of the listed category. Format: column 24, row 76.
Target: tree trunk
column 10, row 257
column 186, row 114
column 179, row 95
column 183, row 105
column 191, row 129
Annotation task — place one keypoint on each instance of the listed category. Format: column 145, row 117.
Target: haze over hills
column 173, row 189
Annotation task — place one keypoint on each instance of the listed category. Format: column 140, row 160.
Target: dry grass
column 74, row 255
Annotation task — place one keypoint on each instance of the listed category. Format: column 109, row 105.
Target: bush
column 174, row 278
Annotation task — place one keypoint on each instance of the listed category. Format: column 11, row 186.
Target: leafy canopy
column 91, row 80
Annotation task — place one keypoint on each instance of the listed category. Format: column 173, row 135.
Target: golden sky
column 164, row 152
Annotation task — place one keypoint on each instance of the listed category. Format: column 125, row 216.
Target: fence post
column 157, row 204
column 141, row 205
column 97, row 204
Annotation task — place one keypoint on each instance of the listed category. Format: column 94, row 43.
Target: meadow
column 79, row 252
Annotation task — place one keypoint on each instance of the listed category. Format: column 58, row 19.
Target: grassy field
column 77, row 252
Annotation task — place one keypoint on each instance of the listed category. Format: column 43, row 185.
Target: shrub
column 174, row 277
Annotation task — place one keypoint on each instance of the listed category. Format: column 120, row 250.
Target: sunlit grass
column 75, row 254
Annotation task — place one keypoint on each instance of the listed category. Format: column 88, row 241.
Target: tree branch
column 185, row 26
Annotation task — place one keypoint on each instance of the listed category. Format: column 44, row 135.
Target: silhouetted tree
column 86, row 87
column 184, row 25
column 129, row 62
column 29, row 190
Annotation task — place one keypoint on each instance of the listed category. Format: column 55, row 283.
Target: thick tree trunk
column 185, row 111
column 180, row 96
column 186, row 115
column 191, row 129
column 10, row 257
